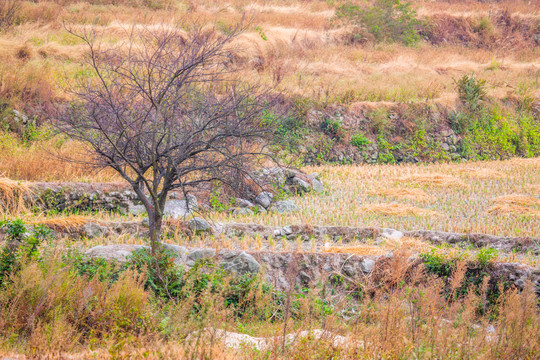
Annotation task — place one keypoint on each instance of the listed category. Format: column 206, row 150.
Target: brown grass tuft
column 482, row 173
column 395, row 209
column 517, row 199
column 406, row 243
column 433, row 179
column 64, row 225
column 12, row 196
column 410, row 194
column 516, row 204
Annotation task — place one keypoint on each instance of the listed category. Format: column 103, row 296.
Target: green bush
column 484, row 256
column 471, row 91
column 21, row 245
column 385, row 20
column 332, row 127
column 360, row 141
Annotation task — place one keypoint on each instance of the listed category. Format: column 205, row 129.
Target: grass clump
column 384, row 20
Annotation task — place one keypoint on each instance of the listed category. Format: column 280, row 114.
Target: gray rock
column 240, row 263
column 145, row 222
column 93, row 230
column 283, row 206
column 199, row 254
column 317, row 185
column 243, row 203
column 198, row 224
column 367, row 265
column 391, row 234
column 137, row 210
column 264, row 199
column 180, row 251
column 445, row 146
column 241, row 211
column 181, row 208
column 300, row 185
column 118, row 252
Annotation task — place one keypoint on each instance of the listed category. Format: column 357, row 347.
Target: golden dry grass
column 404, row 244
column 403, row 193
column 515, row 204
column 12, row 196
column 482, row 173
column 517, row 199
column 63, row 224
column 302, row 49
column 460, row 208
column 395, row 209
column 432, row 179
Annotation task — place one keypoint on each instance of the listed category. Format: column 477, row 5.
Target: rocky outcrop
column 121, row 198
column 308, row 269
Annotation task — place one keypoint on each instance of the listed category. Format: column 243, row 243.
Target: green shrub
column 332, row 127
column 162, row 275
column 21, row 245
column 385, row 20
column 360, row 140
column 484, row 256
column 471, row 91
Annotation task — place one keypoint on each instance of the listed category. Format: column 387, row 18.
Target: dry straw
column 395, row 209
column 432, row 179
column 71, row 223
column 515, row 204
column 410, row 194
column 13, row 196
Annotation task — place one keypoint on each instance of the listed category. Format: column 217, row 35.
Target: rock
column 180, row 251
column 445, row 146
column 317, row 185
column 243, row 203
column 283, row 206
column 93, row 230
column 181, row 208
column 391, row 234
column 145, row 222
column 240, row 263
column 199, row 254
column 264, row 199
column 198, row 225
column 137, row 210
column 241, row 211
column 118, row 252
column 367, row 265
column 300, row 185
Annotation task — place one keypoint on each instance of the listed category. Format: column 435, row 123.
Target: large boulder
column 239, row 263
column 92, row 230
column 199, row 225
column 118, row 252
column 283, row 206
column 181, row 208
column 264, row 199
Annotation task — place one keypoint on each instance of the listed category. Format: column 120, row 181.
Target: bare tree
column 165, row 111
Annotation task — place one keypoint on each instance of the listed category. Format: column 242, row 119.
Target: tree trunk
column 155, row 221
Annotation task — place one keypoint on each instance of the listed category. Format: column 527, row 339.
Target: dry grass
column 483, row 173
column 517, row 199
column 516, row 204
column 460, row 208
column 12, row 196
column 384, row 247
column 302, row 51
column 67, row 224
column 403, row 193
column 432, row 179
column 47, row 161
column 395, row 209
